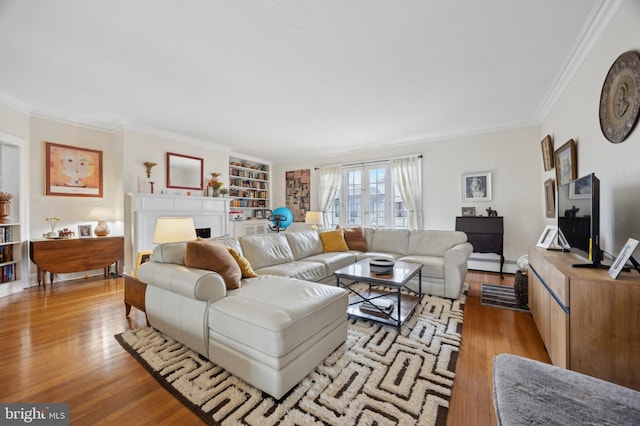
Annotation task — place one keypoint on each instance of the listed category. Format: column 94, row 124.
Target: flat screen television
column 579, row 217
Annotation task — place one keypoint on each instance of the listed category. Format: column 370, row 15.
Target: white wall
column 576, row 116
column 512, row 156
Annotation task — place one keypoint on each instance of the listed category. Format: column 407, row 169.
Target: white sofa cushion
column 434, row 243
column 278, row 317
column 169, row 253
column 304, row 243
column 266, row 250
column 432, row 266
column 390, row 241
column 334, row 260
column 301, row 269
column 228, row 242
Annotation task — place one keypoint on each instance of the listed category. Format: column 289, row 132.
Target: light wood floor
column 57, row 345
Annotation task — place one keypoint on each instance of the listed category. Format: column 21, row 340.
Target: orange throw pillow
column 243, row 263
column 333, row 241
column 216, row 258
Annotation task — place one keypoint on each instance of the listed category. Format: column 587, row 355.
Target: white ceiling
column 287, row 80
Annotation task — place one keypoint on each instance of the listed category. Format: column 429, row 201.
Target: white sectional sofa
column 278, row 326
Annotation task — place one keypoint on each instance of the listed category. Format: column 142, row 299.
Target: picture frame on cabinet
column 72, row 171
column 548, row 237
column 468, row 211
column 143, row 256
column 625, row 254
column 84, row 231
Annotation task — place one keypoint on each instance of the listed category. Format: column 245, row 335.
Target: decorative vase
column 521, row 289
column 5, row 211
column 51, row 234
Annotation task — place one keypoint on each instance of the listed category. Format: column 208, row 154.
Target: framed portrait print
column 476, row 186
column 84, row 231
column 468, row 211
column 73, row 171
column 550, row 198
column 566, row 163
column 547, row 152
column 143, row 256
column 548, row 236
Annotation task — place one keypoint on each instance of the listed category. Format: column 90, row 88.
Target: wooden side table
column 134, row 294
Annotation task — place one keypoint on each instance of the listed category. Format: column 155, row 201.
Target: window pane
column 377, row 197
column 354, row 197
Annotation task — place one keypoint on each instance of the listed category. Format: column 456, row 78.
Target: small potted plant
column 224, row 191
column 5, row 206
column 52, row 221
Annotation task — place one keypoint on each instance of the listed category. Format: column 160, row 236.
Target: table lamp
column 101, row 214
column 314, row 219
column 174, row 230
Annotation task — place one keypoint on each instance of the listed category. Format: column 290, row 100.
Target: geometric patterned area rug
column 500, row 296
column 377, row 376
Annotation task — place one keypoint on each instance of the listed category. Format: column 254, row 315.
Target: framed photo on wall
column 550, row 198
column 72, row 171
column 476, row 186
column 566, row 163
column 547, row 152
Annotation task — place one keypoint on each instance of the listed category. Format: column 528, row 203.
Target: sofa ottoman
column 273, row 331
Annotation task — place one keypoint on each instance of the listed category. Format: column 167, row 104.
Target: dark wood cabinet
column 485, row 233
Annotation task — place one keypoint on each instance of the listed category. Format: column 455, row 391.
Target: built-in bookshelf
column 11, row 248
column 248, row 186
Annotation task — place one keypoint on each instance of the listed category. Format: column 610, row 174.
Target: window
column 370, row 199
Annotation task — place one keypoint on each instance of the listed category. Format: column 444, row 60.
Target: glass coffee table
column 375, row 298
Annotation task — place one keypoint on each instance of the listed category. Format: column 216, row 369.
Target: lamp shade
column 101, row 213
column 314, row 218
column 174, row 230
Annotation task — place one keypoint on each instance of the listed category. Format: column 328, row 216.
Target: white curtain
column 407, row 174
column 329, row 179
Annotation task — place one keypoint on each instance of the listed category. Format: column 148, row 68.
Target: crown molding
column 598, row 20
column 152, row 131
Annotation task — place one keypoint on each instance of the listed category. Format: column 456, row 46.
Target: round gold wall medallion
column 620, row 97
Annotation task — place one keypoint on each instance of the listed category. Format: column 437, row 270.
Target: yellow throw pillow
column 333, row 241
column 216, row 258
column 243, row 263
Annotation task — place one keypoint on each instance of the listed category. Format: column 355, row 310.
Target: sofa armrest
column 455, row 269
column 459, row 253
column 194, row 283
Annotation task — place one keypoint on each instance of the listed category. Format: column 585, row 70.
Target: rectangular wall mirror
column 184, row 172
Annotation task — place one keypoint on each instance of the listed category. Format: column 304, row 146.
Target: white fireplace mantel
column 145, row 209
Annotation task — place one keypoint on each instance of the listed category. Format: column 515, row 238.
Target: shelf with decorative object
column 249, row 184
column 11, row 253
